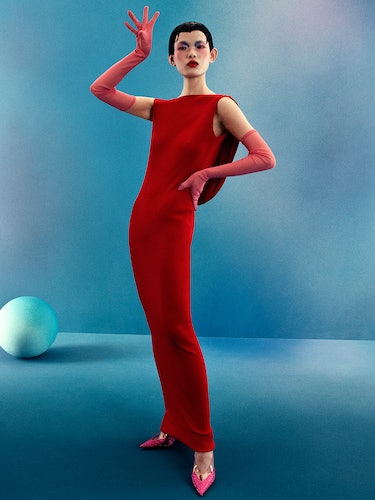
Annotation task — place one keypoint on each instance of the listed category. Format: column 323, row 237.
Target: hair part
column 188, row 28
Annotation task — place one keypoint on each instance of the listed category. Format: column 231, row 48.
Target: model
column 194, row 140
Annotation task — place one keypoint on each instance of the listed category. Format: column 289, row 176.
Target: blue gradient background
column 286, row 253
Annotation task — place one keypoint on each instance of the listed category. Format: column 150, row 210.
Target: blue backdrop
column 285, row 253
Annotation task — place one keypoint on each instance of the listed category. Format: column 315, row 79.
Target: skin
column 190, row 47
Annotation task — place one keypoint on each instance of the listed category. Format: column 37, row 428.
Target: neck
column 195, row 86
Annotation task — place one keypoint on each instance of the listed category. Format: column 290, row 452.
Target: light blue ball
column 28, row 327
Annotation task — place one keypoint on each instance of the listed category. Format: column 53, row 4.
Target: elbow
column 272, row 162
column 265, row 158
column 99, row 91
column 94, row 89
column 269, row 162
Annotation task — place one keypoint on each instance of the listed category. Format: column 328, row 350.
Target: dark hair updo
column 188, row 28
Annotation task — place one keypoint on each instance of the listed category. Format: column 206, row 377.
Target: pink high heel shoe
column 156, row 442
column 202, row 485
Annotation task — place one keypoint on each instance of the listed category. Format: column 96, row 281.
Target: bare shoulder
column 142, row 107
column 227, row 106
column 232, row 117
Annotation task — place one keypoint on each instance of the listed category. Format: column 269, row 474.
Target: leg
column 162, row 273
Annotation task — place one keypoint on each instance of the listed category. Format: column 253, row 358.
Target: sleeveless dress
column 160, row 236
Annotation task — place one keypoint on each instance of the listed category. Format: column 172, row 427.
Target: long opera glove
column 104, row 87
column 260, row 158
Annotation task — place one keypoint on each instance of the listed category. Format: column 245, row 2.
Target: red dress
column 160, row 235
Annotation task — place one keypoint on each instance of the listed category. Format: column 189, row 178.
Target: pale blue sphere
column 28, row 327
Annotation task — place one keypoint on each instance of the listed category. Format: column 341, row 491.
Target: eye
column 201, row 46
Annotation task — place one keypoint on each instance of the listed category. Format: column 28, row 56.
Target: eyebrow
column 195, row 43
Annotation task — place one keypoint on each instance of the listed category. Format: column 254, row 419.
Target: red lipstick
column 192, row 64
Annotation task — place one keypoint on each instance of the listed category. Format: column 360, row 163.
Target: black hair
column 188, row 28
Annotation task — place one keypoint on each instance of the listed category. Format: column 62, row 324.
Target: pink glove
column 260, row 158
column 104, row 87
column 143, row 33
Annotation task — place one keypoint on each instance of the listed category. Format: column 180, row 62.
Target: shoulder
column 226, row 103
column 232, row 117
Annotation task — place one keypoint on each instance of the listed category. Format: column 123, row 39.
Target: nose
column 191, row 53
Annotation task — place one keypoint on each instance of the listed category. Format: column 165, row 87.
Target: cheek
column 178, row 55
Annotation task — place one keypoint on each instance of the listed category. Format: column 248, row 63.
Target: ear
column 214, row 54
column 171, row 60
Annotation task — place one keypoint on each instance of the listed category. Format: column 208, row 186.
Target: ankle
column 204, row 454
column 204, row 461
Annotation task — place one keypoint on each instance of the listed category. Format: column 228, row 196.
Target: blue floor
column 293, row 420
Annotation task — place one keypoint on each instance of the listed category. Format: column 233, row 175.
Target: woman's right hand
column 143, row 30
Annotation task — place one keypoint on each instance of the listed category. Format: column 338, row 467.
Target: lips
column 192, row 64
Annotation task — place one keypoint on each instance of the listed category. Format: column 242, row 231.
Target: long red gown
column 160, row 235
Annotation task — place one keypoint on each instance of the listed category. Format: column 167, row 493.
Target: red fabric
column 160, row 235
column 226, row 154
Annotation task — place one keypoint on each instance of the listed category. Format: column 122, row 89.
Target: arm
column 260, row 156
column 104, row 87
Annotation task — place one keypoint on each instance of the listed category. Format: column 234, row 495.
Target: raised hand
column 143, row 30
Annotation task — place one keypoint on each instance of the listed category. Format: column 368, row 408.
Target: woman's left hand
column 196, row 184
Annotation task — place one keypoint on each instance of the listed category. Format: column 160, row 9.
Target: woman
column 194, row 139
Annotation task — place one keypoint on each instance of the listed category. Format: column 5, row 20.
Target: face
column 192, row 54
